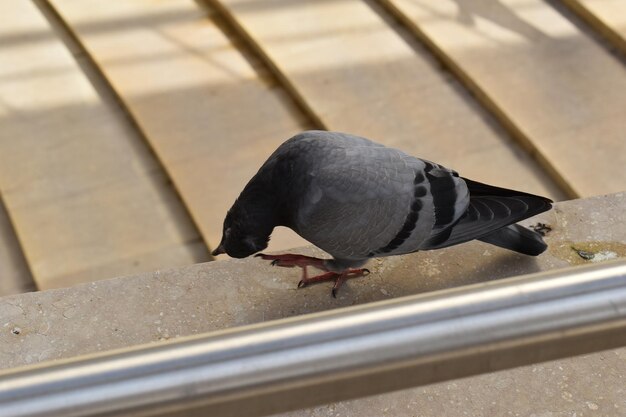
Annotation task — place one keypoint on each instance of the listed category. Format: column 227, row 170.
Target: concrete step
column 608, row 17
column 86, row 196
column 15, row 277
column 558, row 90
column 201, row 298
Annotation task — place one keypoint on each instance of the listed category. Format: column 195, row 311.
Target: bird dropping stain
column 579, row 253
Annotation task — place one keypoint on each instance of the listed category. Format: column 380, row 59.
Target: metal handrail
column 336, row 355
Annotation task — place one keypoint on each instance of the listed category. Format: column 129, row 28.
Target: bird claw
column 292, row 260
column 338, row 277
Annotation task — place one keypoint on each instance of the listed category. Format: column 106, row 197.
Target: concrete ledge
column 205, row 297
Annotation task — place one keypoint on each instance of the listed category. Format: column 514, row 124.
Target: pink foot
column 291, row 260
column 338, row 277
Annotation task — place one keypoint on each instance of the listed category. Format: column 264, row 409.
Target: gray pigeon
column 357, row 199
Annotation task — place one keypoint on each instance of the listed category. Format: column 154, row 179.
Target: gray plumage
column 357, row 199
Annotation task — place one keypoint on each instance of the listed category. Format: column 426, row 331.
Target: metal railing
column 341, row 354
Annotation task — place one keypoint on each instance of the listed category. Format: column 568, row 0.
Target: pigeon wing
column 354, row 197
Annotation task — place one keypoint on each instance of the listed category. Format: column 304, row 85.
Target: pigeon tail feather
column 517, row 238
column 491, row 210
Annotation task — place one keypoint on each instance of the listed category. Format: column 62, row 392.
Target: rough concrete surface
column 15, row 277
column 200, row 298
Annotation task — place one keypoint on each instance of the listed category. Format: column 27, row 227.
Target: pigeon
column 357, row 199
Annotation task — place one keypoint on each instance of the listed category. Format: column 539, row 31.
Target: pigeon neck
column 261, row 214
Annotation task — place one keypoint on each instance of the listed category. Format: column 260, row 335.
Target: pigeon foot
column 290, row 260
column 338, row 277
column 293, row 260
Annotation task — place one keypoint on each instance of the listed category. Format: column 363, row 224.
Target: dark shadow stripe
column 443, row 190
column 411, row 219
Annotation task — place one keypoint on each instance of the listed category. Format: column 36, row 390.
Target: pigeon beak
column 219, row 250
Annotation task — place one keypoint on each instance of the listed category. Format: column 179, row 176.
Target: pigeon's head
column 240, row 237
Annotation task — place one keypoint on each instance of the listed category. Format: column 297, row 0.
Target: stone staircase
column 128, row 128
